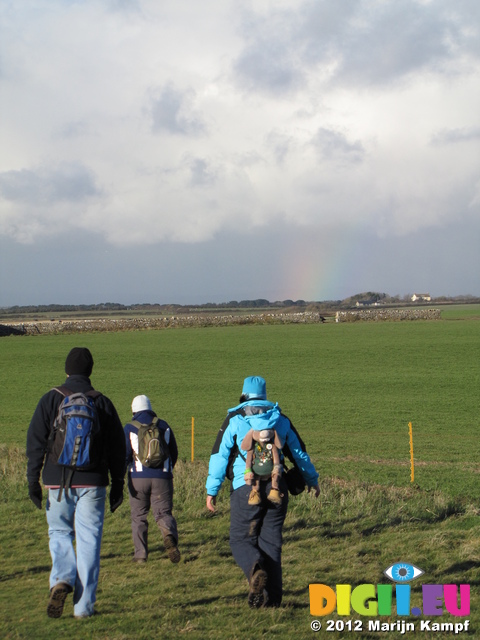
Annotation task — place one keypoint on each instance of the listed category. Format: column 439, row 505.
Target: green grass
column 351, row 391
column 461, row 312
column 350, row 535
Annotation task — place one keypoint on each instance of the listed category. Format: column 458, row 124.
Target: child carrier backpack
column 152, row 447
column 262, row 462
column 75, row 441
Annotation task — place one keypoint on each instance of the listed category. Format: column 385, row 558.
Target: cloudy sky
column 184, row 151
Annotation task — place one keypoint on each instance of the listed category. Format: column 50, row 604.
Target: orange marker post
column 193, row 434
column 412, row 475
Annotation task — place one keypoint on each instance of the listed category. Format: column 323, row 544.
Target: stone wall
column 139, row 324
column 390, row 315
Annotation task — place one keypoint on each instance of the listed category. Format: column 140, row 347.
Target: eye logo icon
column 402, row 572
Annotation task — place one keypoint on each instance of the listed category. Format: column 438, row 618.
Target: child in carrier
column 262, row 463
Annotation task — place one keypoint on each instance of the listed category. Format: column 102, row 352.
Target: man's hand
column 116, row 495
column 211, row 502
column 316, row 489
column 35, row 494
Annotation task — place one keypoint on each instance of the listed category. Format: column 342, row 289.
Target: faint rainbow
column 321, row 266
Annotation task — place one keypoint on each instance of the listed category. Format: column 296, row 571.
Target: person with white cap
column 256, row 528
column 151, row 487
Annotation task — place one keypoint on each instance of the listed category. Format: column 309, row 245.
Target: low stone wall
column 139, row 324
column 390, row 315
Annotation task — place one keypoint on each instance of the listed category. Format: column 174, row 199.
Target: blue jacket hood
column 254, row 403
column 145, row 417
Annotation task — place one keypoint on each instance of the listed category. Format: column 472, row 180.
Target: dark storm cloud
column 172, row 111
column 76, row 129
column 334, row 145
column 280, row 145
column 201, row 173
column 68, row 183
column 452, row 136
column 362, row 42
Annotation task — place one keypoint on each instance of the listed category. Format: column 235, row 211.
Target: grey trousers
column 155, row 494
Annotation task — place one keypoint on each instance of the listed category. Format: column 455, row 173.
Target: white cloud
column 174, row 121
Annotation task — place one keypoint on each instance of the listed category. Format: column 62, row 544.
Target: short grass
column 349, row 536
column 461, row 312
column 351, row 391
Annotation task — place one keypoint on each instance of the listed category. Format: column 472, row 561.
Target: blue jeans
column 256, row 535
column 78, row 516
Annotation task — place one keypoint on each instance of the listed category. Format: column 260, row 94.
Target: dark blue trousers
column 256, row 535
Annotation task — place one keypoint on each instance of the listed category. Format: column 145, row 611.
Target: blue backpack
column 75, row 442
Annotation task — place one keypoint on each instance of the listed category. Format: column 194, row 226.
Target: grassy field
column 351, row 390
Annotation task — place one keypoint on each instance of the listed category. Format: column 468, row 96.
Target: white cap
column 141, row 403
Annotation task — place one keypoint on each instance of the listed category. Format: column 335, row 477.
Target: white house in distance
column 421, row 297
column 368, row 303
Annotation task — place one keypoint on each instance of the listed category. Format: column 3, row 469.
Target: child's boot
column 275, row 496
column 254, row 497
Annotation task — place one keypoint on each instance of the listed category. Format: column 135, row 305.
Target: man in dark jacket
column 77, row 511
column 150, row 487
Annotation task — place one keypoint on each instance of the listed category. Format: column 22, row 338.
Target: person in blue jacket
column 150, row 488
column 256, row 530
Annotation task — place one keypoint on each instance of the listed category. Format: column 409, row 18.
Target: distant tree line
column 147, row 306
column 259, row 303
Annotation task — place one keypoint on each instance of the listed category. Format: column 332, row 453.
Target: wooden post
column 193, row 437
column 412, row 474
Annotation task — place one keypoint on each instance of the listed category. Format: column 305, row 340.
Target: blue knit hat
column 254, row 387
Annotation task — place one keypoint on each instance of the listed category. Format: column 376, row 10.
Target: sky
column 189, row 152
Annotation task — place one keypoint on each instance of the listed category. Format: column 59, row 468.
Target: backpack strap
column 66, row 482
column 138, row 424
column 66, row 391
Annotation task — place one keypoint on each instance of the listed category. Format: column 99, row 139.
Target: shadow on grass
column 376, row 528
column 425, row 519
column 6, row 330
column 296, row 593
column 25, row 572
column 296, row 530
column 332, row 534
column 462, row 567
column 200, row 602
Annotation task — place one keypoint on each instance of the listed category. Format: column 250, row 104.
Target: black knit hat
column 79, row 362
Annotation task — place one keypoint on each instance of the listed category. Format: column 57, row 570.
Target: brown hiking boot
column 257, row 596
column 58, row 595
column 172, row 549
